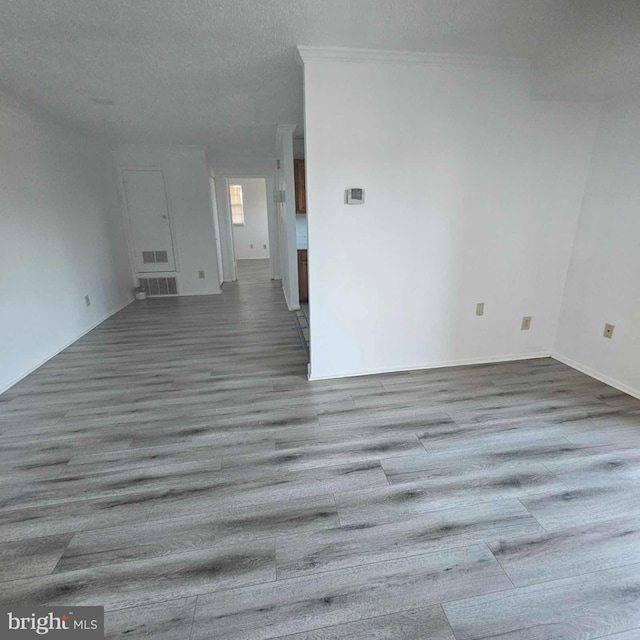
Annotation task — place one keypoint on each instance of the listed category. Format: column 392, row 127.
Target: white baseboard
column 286, row 299
column 439, row 365
column 583, row 368
column 183, row 295
column 68, row 344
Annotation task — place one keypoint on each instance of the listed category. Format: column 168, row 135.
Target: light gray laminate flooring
column 175, row 466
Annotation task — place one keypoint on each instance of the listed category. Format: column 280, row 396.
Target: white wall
column 287, row 215
column 251, row 240
column 603, row 281
column 298, row 148
column 188, row 192
column 61, row 238
column 472, row 195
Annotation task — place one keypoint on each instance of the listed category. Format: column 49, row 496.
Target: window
column 237, row 210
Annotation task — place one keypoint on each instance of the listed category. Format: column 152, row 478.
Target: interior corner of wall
column 597, row 375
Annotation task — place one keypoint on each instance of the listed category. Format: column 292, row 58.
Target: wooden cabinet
column 303, row 275
column 301, row 190
column 301, row 207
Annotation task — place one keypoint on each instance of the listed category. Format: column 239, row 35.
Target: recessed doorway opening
column 249, row 216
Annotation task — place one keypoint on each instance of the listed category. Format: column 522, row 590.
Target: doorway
column 302, row 244
column 250, row 223
column 216, row 229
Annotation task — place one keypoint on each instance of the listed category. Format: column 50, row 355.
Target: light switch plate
column 480, row 309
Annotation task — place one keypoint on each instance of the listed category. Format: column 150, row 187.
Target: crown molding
column 285, row 129
column 344, row 54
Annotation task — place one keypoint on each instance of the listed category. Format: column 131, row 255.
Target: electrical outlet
column 252, row 246
column 87, row 301
column 480, row 309
column 526, row 323
column 608, row 330
column 264, row 246
column 201, row 275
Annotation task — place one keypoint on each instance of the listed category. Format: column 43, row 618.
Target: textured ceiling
column 223, row 73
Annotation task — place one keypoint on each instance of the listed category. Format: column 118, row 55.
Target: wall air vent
column 159, row 286
column 154, row 257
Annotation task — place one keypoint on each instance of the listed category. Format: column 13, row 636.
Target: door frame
column 213, row 194
column 226, row 175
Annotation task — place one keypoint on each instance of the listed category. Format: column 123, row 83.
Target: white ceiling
column 223, row 72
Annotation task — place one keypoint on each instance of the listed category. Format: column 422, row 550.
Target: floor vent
column 159, row 286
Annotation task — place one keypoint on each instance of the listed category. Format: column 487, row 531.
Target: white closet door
column 149, row 220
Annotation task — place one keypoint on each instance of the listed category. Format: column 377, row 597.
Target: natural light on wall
column 237, row 210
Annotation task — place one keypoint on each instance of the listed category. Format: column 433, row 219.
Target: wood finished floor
column 175, row 466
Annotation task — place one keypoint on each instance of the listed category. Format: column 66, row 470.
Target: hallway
column 176, row 467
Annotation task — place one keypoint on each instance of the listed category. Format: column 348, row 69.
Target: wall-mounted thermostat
column 355, row 196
